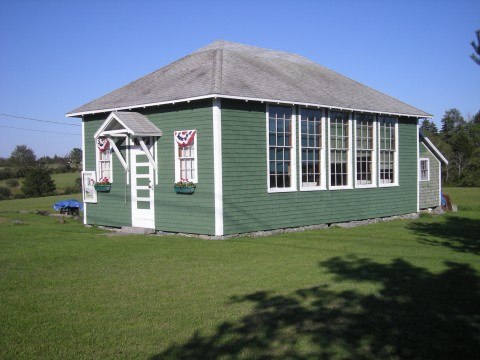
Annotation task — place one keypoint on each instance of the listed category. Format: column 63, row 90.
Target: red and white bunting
column 102, row 144
column 185, row 137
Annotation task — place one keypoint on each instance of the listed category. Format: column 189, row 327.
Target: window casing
column 340, row 145
column 312, row 149
column 281, row 148
column 365, row 154
column 424, row 169
column 388, row 150
column 186, row 161
column 104, row 164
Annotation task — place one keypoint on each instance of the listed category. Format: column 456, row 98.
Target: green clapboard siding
column 430, row 190
column 112, row 208
column 249, row 207
column 176, row 212
column 173, row 212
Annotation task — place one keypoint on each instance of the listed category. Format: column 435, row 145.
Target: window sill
column 312, row 188
column 349, row 187
column 369, row 186
column 281, row 190
column 387, row 185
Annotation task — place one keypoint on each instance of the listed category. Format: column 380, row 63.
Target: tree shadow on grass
column 457, row 233
column 415, row 314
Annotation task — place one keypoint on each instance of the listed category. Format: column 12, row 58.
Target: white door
column 142, row 184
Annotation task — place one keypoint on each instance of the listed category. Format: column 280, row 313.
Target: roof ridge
column 217, row 69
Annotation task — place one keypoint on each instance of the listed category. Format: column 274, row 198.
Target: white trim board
column 215, row 96
column 217, row 166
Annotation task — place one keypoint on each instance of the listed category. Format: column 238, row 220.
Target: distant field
column 65, row 180
column 32, row 204
column 465, row 198
column 62, row 181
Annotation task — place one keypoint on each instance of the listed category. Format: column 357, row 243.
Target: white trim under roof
column 434, row 148
column 242, row 98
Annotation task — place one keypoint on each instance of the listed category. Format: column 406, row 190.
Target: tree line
column 32, row 175
column 459, row 141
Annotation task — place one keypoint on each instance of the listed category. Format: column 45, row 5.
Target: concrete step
column 137, row 230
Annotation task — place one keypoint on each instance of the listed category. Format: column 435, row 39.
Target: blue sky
column 58, row 55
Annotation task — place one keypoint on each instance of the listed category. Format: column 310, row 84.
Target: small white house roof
column 125, row 122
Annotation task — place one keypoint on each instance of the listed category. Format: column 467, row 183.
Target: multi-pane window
column 425, row 169
column 365, row 149
column 280, row 147
column 186, row 159
column 104, row 164
column 311, row 147
column 388, row 149
column 339, row 149
column 104, row 159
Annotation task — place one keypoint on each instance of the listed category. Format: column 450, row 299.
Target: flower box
column 103, row 187
column 184, row 189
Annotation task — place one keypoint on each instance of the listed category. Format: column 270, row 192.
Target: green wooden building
column 270, row 139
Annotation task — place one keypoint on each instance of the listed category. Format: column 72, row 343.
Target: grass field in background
column 33, row 204
column 392, row 290
column 465, row 198
column 64, row 180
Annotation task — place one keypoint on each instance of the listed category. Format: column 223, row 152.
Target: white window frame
column 97, row 162
column 323, row 167
column 427, row 160
column 293, row 155
column 395, row 158
column 374, row 154
column 177, row 159
column 349, row 153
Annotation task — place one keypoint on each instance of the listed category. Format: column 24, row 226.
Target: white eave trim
column 76, row 114
column 438, row 154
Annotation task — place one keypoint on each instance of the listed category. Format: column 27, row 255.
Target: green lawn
column 407, row 289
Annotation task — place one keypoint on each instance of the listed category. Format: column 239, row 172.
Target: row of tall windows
column 371, row 139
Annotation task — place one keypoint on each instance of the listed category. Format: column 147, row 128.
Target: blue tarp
column 65, row 204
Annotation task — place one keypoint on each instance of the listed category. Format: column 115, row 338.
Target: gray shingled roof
column 234, row 70
column 135, row 123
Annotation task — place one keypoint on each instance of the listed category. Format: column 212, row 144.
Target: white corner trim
column 439, row 183
column 83, row 169
column 418, row 166
column 217, row 166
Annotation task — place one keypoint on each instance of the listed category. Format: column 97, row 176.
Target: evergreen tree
column 38, row 182
column 451, row 122
column 476, row 47
column 428, row 127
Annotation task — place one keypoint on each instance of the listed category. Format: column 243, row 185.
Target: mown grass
column 393, row 290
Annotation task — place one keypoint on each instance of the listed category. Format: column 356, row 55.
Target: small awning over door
column 125, row 122
column 128, row 124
